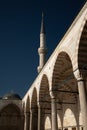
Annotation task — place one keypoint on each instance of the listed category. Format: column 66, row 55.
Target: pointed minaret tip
column 42, row 15
column 42, row 25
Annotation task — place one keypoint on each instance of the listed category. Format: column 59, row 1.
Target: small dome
column 12, row 96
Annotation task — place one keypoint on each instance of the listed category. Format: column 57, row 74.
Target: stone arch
column 11, row 105
column 34, row 98
column 34, row 111
column 80, row 52
column 82, row 49
column 64, row 83
column 62, row 63
column 69, row 119
column 44, row 99
column 11, row 118
column 23, row 106
column 44, row 89
column 63, row 70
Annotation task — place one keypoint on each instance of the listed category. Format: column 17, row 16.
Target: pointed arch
column 81, row 46
column 10, row 106
column 63, row 77
column 44, row 88
column 69, row 118
column 11, row 117
column 34, row 99
column 34, row 111
column 62, row 64
column 44, row 96
column 82, row 49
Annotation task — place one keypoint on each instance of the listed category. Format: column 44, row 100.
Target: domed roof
column 12, row 96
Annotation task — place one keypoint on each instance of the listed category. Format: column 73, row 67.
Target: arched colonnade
column 58, row 97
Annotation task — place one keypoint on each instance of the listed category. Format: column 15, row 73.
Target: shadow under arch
column 44, row 100
column 23, row 106
column 27, row 114
column 34, row 99
column 11, row 117
column 44, row 89
column 64, row 83
column 63, row 76
column 63, row 64
column 28, row 104
column 34, row 111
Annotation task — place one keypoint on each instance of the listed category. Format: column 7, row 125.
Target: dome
column 12, row 96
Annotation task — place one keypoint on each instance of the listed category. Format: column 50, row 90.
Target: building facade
column 57, row 99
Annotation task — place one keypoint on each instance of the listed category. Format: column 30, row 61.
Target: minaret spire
column 42, row 50
column 42, row 25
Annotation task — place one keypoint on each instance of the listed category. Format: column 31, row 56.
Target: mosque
column 57, row 99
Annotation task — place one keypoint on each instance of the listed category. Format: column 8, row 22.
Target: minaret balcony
column 42, row 50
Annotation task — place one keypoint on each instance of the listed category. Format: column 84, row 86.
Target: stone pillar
column 82, row 97
column 83, row 101
column 40, row 118
column 26, row 124
column 53, row 112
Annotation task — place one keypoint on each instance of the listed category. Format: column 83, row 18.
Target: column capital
column 52, row 95
column 40, row 104
column 31, row 110
column 80, row 75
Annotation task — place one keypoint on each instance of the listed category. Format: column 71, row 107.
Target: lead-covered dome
column 12, row 96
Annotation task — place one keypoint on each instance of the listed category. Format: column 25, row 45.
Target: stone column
column 82, row 97
column 40, row 118
column 83, row 101
column 26, row 124
column 53, row 112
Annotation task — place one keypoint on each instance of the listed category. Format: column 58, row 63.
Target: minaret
column 42, row 50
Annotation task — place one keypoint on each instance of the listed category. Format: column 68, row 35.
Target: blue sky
column 20, row 23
